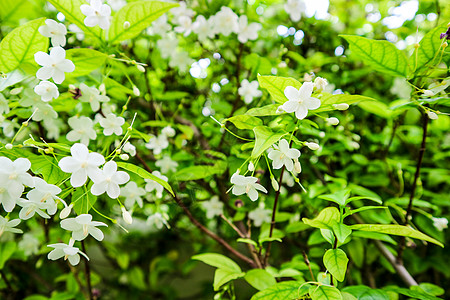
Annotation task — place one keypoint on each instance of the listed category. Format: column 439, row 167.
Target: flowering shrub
column 144, row 140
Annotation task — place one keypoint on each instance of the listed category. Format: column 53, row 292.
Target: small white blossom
column 44, row 193
column 260, row 216
column 440, row 223
column 249, row 90
column 81, row 226
column 4, row 106
column 297, row 166
column 47, row 90
column 82, row 130
column 92, row 96
column 157, row 144
column 213, row 207
column 68, row 251
column 168, row 131
column 246, row 185
column 153, row 185
column 226, row 21
column 96, row 13
column 108, row 180
column 320, row 83
column 54, row 65
column 112, row 124
column 295, row 8
column 43, row 111
column 247, row 31
column 203, row 28
column 13, row 177
column 158, row 220
column 182, row 10
column 8, row 226
column 341, row 106
column 185, row 25
column 284, row 156
column 300, row 101
column 160, row 26
column 437, row 87
column 30, row 207
column 55, row 31
column 167, row 45
column 180, row 60
column 79, row 34
column 128, row 147
column 81, row 164
column 132, row 194
column 166, row 164
column 29, row 244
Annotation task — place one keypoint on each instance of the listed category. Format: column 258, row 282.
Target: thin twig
column 87, row 271
column 305, row 257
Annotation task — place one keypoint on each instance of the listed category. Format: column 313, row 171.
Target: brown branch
column 87, row 272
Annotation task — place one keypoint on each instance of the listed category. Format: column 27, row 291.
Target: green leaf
column 413, row 293
column 219, row 261
column 82, row 201
column 281, row 291
column 324, row 292
column 354, row 211
column 377, row 200
column 268, row 110
column 247, row 241
column 260, row 279
column 431, row 289
column 222, row 276
column 12, row 78
column 245, row 121
column 341, row 231
column 335, row 260
column 339, row 197
column 327, row 100
column 362, row 292
column 6, row 251
column 47, row 166
column 382, row 56
column 325, row 219
column 395, row 230
column 20, row 45
column 198, row 172
column 144, row 174
column 140, row 15
column 265, row 138
column 275, row 86
column 71, row 10
column 85, row 60
column 428, row 49
column 377, row 108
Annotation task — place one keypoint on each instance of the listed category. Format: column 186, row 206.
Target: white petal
column 45, row 73
column 312, row 103
column 292, row 93
column 96, row 233
column 98, row 188
column 79, row 151
column 290, row 106
column 42, row 58
column 74, row 259
column 84, row 219
column 113, row 190
column 306, row 90
column 78, row 178
column 301, row 112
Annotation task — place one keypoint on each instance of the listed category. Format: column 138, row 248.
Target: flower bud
column 16, row 91
column 126, row 25
column 140, row 68
column 332, row 121
column 251, row 167
column 297, row 166
column 280, row 110
column 275, row 185
column 66, row 211
column 312, row 146
column 320, row 83
column 102, row 88
column 341, row 106
column 9, row 146
column 431, row 114
column 136, row 91
column 428, row 93
column 126, row 216
column 124, row 156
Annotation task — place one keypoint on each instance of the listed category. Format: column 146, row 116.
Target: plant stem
column 87, row 271
column 401, row 247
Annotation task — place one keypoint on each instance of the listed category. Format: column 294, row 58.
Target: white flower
column 67, row 251
column 341, row 106
column 213, row 207
column 82, row 226
column 128, row 147
column 332, row 121
column 108, row 180
column 166, row 164
column 203, row 28
column 96, row 13
column 160, row 26
column 7, row 225
column 180, row 60
column 132, row 194
column 226, row 21
column 295, row 8
column 82, row 130
column 13, row 177
column 4, row 106
column 44, row 193
column 167, row 45
column 53, row 127
column 260, row 216
column 81, row 164
column 283, row 156
column 53, row 65
column 112, row 124
column 300, row 101
column 320, row 83
column 440, row 223
column 158, row 220
column 79, row 34
column 54, row 30
column 312, row 145
column 29, row 244
column 153, row 185
column 43, row 111
column 168, row 131
column 30, row 207
column 185, row 25
column 246, row 185
column 47, row 90
column 249, row 90
column 92, row 96
column 247, row 31
column 157, row 144
column 182, row 10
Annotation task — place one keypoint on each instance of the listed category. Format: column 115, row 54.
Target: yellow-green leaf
column 335, row 260
column 265, row 138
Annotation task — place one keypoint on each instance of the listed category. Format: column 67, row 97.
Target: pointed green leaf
column 377, row 200
column 82, row 201
column 339, row 197
column 140, row 15
column 144, row 174
column 265, row 138
column 275, row 86
column 245, row 121
column 282, row 291
column 366, row 293
column 325, row 219
column 268, row 110
column 382, row 56
column 199, row 172
column 222, row 276
column 20, row 45
column 86, row 60
column 260, row 279
column 327, row 100
column 341, row 231
column 396, row 230
column 335, row 260
column 324, row 292
column 219, row 261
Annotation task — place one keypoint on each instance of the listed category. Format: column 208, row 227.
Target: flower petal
column 306, row 90
column 292, row 93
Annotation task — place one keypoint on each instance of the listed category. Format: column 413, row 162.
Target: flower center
column 13, row 176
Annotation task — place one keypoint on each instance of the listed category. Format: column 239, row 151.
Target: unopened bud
column 238, row 203
column 126, row 216
column 428, row 93
column 66, row 211
column 124, row 156
column 280, row 110
column 102, row 88
column 16, row 91
column 126, row 25
column 312, row 146
column 25, row 124
column 332, row 121
column 297, row 166
column 136, row 91
column 416, row 45
column 140, row 68
column 251, row 167
column 320, row 83
column 431, row 114
column 275, row 185
column 341, row 106
column 9, row 146
column 445, row 45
